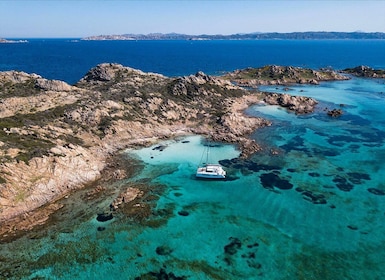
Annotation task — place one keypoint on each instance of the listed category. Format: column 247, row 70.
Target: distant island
column 321, row 35
column 5, row 41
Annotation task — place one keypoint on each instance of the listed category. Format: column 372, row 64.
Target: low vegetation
column 365, row 71
column 284, row 75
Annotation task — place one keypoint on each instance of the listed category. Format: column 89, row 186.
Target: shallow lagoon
column 315, row 211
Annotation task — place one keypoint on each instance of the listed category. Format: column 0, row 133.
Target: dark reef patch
column 271, row 180
column 326, row 153
column 163, row 250
column 233, row 247
column 183, row 213
column 178, row 194
column 376, row 191
column 295, row 143
column 315, row 198
column 248, row 253
column 104, row 217
column 354, row 148
column 352, row 227
column 341, row 140
column 249, row 165
column 342, row 183
column 161, row 275
column 314, row 174
column 159, row 148
column 256, row 244
column 356, row 177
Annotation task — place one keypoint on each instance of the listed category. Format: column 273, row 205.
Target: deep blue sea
column 314, row 211
column 69, row 60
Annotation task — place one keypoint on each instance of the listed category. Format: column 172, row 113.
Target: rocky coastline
column 57, row 138
column 282, row 75
column 322, row 35
column 365, row 71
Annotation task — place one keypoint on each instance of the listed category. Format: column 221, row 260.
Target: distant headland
column 319, row 35
column 5, row 41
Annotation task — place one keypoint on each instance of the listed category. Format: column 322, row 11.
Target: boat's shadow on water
column 228, row 178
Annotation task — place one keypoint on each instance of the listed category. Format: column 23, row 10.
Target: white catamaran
column 210, row 170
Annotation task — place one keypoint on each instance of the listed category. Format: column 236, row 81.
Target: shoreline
column 117, row 168
column 72, row 167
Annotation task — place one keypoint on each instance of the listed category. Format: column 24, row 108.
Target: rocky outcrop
column 43, row 179
column 201, row 78
column 103, row 72
column 126, row 196
column 365, row 71
column 298, row 104
column 281, row 75
column 193, row 85
column 52, row 85
column 23, row 93
column 235, row 126
column 116, row 75
column 17, row 77
column 334, row 113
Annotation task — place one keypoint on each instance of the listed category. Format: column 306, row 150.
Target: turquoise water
column 314, row 211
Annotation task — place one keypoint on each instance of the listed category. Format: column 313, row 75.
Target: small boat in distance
column 210, row 170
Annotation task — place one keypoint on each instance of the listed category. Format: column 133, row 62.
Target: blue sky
column 80, row 18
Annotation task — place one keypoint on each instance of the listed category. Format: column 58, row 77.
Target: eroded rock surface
column 282, row 75
column 365, row 71
column 298, row 104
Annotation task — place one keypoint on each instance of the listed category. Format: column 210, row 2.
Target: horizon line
column 193, row 35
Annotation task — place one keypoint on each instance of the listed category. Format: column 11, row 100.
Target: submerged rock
column 314, row 198
column 357, row 177
column 163, row 250
column 233, row 247
column 271, row 180
column 126, row 196
column 376, row 191
column 352, row 227
column 183, row 213
column 162, row 275
column 104, row 217
column 342, row 184
column 335, row 113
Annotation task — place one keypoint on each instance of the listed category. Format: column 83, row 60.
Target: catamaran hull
column 210, row 176
column 211, row 171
